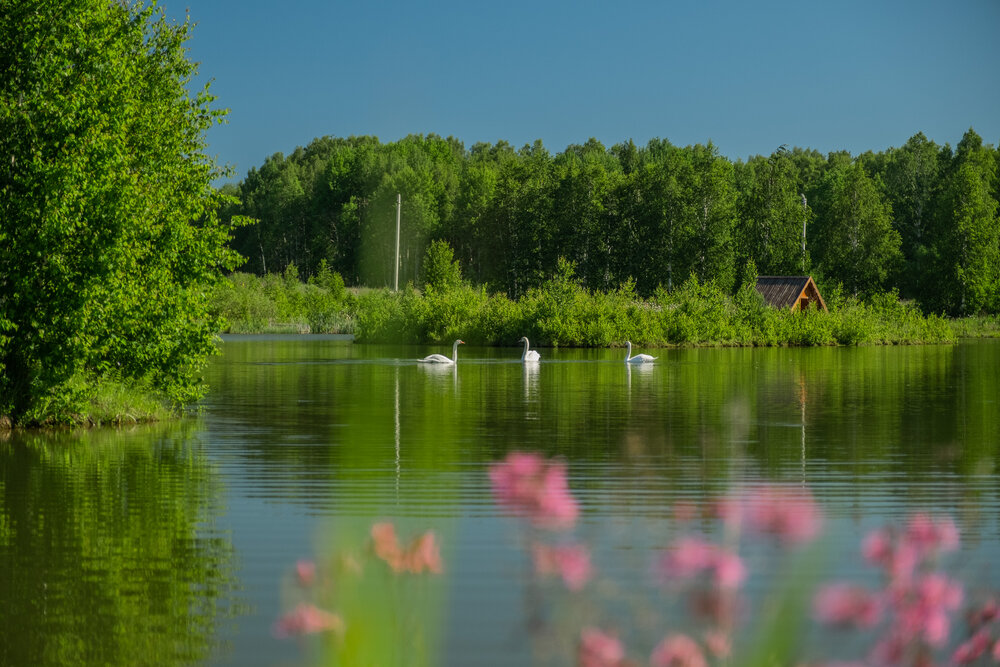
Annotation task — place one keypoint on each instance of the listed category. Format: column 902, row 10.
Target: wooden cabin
column 790, row 292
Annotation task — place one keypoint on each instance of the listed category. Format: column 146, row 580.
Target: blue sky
column 749, row 76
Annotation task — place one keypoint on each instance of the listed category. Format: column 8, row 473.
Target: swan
column 637, row 359
column 440, row 358
column 528, row 355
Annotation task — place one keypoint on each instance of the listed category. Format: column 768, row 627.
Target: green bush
column 563, row 313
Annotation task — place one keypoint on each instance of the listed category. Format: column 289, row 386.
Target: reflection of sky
column 321, row 443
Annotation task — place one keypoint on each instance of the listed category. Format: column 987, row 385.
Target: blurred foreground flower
column 307, row 619
column 571, row 562
column 599, row 649
column 847, row 605
column 678, row 651
column 536, row 488
column 691, row 557
column 900, row 553
column 422, row 554
column 788, row 513
column 917, row 601
column 305, row 572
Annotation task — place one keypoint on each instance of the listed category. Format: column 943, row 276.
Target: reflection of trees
column 695, row 418
column 105, row 557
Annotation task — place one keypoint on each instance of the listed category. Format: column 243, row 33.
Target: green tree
column 912, row 181
column 656, row 229
column 967, row 238
column 856, row 243
column 108, row 225
column 586, row 177
column 772, row 215
column 441, row 270
column 712, row 200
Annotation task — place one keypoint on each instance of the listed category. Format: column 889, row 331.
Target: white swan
column 440, row 358
column 637, row 359
column 528, row 355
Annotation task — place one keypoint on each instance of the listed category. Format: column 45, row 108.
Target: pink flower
column 930, row 536
column 385, row 543
column 692, row 556
column 571, row 562
column 677, row 651
column 422, row 554
column 898, row 558
column 307, row 619
column 305, row 572
column 900, row 555
column 972, row 649
column 996, row 651
column 877, row 547
column 922, row 608
column 729, row 570
column 844, row 604
column 599, row 649
column 533, row 487
column 788, row 513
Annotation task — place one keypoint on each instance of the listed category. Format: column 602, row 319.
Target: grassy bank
column 108, row 403
column 562, row 313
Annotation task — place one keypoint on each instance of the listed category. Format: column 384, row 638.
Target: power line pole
column 395, row 278
column 805, row 218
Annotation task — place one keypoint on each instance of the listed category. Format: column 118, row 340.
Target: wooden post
column 395, row 273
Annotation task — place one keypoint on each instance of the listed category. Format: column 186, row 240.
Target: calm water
column 177, row 544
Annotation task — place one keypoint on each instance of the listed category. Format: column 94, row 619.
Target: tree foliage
column 109, row 230
column 856, row 240
column 441, row 271
column 646, row 215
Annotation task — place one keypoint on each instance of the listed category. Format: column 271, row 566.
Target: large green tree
column 108, row 226
column 773, row 215
column 856, row 243
column 966, row 247
column 911, row 178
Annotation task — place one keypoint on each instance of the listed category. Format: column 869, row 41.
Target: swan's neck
column 454, row 351
column 628, row 355
column 525, row 353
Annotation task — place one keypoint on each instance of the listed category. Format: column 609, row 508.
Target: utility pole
column 805, row 218
column 395, row 276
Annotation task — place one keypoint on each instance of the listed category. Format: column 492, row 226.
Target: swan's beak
column 461, row 342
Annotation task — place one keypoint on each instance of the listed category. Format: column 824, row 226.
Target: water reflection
column 529, row 376
column 350, row 434
column 108, row 551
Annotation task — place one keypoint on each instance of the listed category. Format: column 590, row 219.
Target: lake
column 179, row 543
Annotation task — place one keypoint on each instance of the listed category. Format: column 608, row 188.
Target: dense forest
column 921, row 218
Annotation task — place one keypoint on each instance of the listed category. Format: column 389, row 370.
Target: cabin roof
column 785, row 291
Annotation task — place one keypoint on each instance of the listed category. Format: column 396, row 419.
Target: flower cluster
column 691, row 557
column 536, row 489
column 533, row 487
column 420, row 556
column 571, row 562
column 917, row 601
column 786, row 512
column 307, row 619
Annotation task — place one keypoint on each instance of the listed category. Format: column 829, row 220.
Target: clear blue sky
column 749, row 76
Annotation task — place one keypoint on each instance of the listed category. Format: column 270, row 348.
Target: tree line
column 921, row 218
